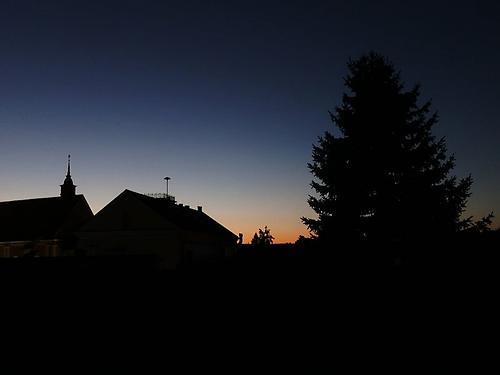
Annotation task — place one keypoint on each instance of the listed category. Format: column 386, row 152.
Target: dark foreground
column 279, row 308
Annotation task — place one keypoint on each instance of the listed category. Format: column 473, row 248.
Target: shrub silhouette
column 264, row 238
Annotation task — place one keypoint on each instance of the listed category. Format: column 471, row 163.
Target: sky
column 227, row 98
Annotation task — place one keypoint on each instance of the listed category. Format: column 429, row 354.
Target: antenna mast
column 167, row 179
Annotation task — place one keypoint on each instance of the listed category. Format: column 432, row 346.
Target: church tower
column 68, row 189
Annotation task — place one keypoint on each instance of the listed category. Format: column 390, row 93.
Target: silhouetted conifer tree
column 385, row 177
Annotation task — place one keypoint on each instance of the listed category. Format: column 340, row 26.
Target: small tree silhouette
column 385, row 177
column 264, row 238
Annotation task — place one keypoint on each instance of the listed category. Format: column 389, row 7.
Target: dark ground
column 280, row 308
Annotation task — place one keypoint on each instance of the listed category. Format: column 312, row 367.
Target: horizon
column 247, row 235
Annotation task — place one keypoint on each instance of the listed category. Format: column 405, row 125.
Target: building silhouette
column 43, row 226
column 137, row 224
column 132, row 224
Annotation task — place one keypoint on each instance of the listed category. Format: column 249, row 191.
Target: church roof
column 182, row 216
column 39, row 218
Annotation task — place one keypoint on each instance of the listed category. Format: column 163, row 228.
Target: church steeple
column 68, row 189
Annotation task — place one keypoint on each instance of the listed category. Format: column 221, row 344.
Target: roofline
column 134, row 194
column 40, row 198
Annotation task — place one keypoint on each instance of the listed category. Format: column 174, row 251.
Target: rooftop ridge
column 38, row 198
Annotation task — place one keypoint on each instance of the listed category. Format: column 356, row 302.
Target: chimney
column 200, row 209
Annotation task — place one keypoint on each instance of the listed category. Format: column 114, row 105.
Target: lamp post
column 167, row 179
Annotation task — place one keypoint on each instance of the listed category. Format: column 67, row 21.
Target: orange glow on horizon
column 281, row 234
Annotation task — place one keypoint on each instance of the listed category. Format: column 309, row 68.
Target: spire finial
column 69, row 168
column 68, row 189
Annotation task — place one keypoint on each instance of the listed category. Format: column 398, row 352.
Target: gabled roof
column 40, row 218
column 183, row 217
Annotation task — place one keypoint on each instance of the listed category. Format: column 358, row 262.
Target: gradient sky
column 228, row 97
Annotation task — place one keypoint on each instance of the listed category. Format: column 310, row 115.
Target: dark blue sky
column 227, row 97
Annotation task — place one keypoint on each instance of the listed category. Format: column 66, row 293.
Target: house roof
column 182, row 216
column 40, row 218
